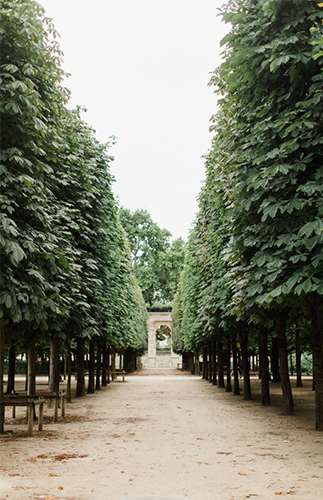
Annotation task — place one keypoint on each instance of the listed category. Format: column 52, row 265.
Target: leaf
column 16, row 252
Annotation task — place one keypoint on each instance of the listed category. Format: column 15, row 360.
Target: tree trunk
column 260, row 355
column 11, row 370
column 283, row 364
column 2, row 408
column 80, row 379
column 228, row 386
column 220, row 362
column 298, row 348
column 214, row 370
column 236, row 386
column 210, row 363
column 104, row 364
column 109, row 365
column 204, row 374
column 317, row 340
column 98, row 366
column 31, row 360
column 113, row 364
column 191, row 363
column 196, row 362
column 69, row 375
column 90, row 385
column 275, row 360
column 26, row 373
column 264, row 367
column 245, row 363
column 54, row 368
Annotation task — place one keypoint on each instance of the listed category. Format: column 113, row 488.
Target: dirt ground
column 166, row 437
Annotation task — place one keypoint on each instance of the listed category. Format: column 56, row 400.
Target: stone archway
column 153, row 358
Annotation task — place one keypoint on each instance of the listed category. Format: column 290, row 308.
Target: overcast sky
column 141, row 68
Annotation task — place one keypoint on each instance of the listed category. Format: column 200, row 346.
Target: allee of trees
column 66, row 279
column 253, row 276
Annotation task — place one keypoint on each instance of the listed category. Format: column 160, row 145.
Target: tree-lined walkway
column 165, row 436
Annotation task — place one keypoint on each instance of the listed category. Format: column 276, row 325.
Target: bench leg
column 13, row 412
column 41, row 416
column 30, row 412
column 56, row 410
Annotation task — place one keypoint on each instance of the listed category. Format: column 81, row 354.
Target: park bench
column 117, row 372
column 29, row 402
column 58, row 397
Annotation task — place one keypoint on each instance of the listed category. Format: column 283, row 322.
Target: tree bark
column 98, row 366
column 204, row 373
column 264, row 367
column 228, row 386
column 31, row 360
column 11, row 370
column 104, row 364
column 109, row 365
column 214, row 370
column 245, row 363
column 90, row 385
column 236, row 386
column 191, row 362
column 54, row 368
column 26, row 373
column 220, row 362
column 317, row 341
column 298, row 348
column 113, row 364
column 80, row 379
column 260, row 354
column 283, row 364
column 69, row 375
column 210, row 363
column 275, row 360
column 2, row 408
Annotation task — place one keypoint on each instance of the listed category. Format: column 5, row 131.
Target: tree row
column 253, row 276
column 66, row 278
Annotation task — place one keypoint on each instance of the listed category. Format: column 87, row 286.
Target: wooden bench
column 58, row 397
column 28, row 402
column 114, row 374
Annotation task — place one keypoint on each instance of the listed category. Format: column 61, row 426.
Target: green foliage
column 157, row 261
column 275, row 159
column 32, row 256
column 65, row 264
column 257, row 244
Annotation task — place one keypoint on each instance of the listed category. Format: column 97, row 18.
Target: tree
column 157, row 261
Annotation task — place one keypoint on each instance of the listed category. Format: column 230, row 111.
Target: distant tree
column 157, row 261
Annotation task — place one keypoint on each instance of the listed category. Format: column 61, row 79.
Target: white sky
column 141, row 68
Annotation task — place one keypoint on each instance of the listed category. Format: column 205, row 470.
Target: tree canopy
column 65, row 260
column 157, row 260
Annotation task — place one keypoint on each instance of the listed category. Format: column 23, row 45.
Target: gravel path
column 164, row 438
